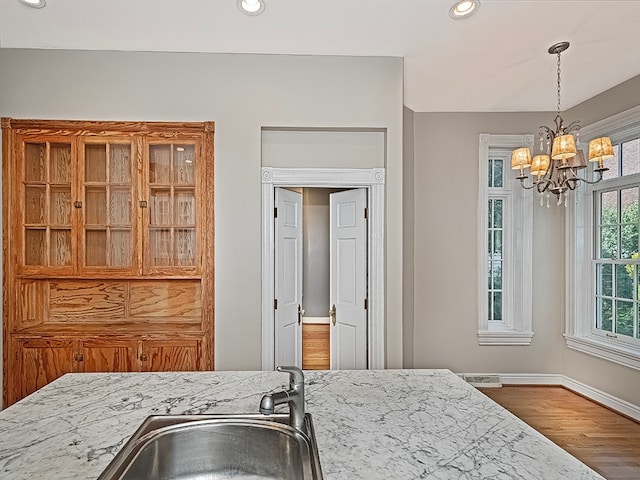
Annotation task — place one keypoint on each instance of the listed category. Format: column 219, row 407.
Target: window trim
column 516, row 327
column 579, row 233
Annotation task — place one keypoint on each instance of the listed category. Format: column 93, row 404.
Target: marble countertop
column 383, row 424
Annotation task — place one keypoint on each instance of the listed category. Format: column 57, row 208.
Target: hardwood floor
column 315, row 346
column 606, row 441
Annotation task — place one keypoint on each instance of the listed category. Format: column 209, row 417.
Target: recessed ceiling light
column 464, row 8
column 33, row 3
column 251, row 7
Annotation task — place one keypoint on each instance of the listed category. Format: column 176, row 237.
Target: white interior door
column 348, row 274
column 288, row 281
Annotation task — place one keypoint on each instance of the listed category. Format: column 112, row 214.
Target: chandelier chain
column 558, row 83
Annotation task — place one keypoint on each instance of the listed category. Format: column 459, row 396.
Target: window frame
column 515, row 328
column 580, row 268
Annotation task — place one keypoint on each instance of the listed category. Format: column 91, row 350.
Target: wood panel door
column 43, row 361
column 348, row 279
column 288, row 282
column 170, row 355
column 110, row 355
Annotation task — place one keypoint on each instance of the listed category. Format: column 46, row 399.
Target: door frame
column 371, row 178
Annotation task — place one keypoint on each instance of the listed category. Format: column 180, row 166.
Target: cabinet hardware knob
column 143, row 357
column 77, row 204
column 143, row 204
column 78, row 357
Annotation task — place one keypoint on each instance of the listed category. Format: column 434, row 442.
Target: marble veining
column 383, row 424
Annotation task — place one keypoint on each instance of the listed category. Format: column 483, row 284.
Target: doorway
column 321, row 301
column 371, row 180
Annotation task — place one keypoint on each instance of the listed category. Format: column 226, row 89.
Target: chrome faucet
column 294, row 397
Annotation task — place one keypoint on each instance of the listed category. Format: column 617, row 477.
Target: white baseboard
column 603, row 398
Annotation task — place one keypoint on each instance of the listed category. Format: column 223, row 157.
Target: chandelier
column 555, row 168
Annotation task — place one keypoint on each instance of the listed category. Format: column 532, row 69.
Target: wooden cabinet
column 44, row 360
column 108, row 249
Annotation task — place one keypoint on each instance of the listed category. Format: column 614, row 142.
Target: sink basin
column 217, row 447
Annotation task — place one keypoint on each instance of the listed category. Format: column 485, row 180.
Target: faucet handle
column 296, row 377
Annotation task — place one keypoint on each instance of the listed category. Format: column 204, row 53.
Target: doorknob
column 300, row 314
column 332, row 313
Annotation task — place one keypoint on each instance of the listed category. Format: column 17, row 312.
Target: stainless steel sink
column 217, row 447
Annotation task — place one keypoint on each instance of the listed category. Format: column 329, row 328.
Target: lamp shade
column 600, row 149
column 540, row 165
column 578, row 162
column 564, row 147
column 521, row 158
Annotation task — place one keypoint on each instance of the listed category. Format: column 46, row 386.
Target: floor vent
column 484, row 381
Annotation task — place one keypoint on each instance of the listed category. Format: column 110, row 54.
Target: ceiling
column 496, row 60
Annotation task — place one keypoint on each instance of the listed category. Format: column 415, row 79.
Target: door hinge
column 275, row 212
column 366, row 304
column 366, row 213
column 275, row 303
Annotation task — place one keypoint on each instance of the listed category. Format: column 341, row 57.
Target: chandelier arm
column 591, row 182
column 572, row 127
column 572, row 183
column 542, row 186
column 522, row 184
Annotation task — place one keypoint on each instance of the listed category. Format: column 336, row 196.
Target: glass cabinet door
column 107, row 185
column 47, row 212
column 172, row 206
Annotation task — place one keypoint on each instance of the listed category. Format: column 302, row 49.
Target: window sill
column 504, row 337
column 592, row 345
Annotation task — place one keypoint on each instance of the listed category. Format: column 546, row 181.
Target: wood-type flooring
column 606, row 441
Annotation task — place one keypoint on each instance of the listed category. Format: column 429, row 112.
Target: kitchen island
column 383, row 424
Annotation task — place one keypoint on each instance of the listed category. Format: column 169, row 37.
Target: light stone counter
column 385, row 424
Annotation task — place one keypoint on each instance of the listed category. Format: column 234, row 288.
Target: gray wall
column 622, row 382
column 315, row 251
column 242, row 94
column 444, row 193
column 408, row 213
column 445, row 257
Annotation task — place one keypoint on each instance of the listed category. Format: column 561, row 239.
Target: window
column 603, row 269
column 504, row 246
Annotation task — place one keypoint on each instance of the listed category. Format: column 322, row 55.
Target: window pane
column 490, row 219
column 629, row 222
column 624, row 318
column 609, row 242
column 497, row 244
column 490, row 307
column 605, row 314
column 604, row 279
column 631, row 157
column 490, row 171
column 624, row 281
column 497, row 214
column 497, row 173
column 497, row 275
column 497, row 306
column 609, row 208
column 612, row 164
